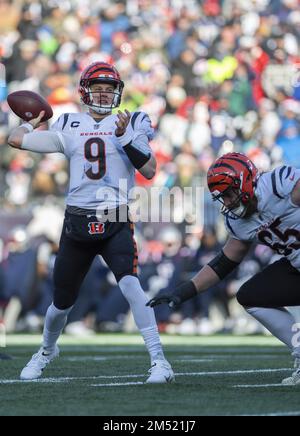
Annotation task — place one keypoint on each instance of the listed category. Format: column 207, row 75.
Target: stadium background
column 214, row 76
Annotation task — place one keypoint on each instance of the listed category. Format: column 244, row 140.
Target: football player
column 264, row 208
column 103, row 149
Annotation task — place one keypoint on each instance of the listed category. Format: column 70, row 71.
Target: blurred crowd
column 214, row 76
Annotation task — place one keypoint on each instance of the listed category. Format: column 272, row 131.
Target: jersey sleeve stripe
column 133, row 119
column 281, row 173
column 274, row 186
column 66, row 117
column 230, row 226
column 288, row 172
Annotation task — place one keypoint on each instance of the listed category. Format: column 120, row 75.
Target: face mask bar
column 98, row 103
column 236, row 209
column 88, row 99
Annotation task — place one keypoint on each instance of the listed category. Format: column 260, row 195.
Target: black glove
column 171, row 300
column 182, row 293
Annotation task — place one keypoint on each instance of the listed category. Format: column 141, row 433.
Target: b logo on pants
column 96, row 228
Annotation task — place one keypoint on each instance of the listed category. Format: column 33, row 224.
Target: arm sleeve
column 141, row 143
column 229, row 228
column 44, row 142
column 141, row 124
column 59, row 124
column 143, row 132
column 138, row 133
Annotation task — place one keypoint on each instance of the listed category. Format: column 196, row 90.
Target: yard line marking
column 68, row 379
column 244, row 357
column 84, row 359
column 273, row 385
column 186, row 374
column 219, row 357
column 119, row 384
column 195, row 360
column 41, row 380
column 97, row 358
column 188, row 348
column 276, row 414
column 238, row 372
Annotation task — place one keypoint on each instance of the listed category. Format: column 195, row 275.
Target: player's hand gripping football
column 122, row 122
column 171, row 300
column 36, row 122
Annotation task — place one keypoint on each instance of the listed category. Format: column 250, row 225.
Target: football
column 27, row 105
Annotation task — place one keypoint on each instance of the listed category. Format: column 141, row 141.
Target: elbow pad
column 222, row 265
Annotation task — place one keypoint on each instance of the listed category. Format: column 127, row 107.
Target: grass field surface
column 104, row 375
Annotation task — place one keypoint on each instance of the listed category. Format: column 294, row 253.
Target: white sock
column 278, row 321
column 143, row 315
column 54, row 323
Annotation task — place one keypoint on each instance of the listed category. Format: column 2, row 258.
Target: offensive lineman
column 264, row 208
column 102, row 149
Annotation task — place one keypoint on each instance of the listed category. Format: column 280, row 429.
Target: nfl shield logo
column 96, row 228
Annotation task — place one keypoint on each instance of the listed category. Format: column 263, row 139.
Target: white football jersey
column 277, row 222
column 97, row 161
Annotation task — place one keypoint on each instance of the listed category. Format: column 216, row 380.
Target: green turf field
column 103, row 375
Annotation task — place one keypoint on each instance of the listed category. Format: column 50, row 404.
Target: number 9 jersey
column 101, row 174
column 277, row 222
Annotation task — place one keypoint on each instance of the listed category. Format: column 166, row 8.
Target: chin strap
column 100, row 111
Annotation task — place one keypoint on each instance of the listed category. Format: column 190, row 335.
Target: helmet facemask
column 240, row 201
column 102, row 102
column 232, row 180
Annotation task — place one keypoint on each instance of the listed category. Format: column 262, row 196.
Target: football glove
column 182, row 293
column 171, row 300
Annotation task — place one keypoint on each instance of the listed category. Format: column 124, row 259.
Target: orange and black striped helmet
column 233, row 171
column 100, row 72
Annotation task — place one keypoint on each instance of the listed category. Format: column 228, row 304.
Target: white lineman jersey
column 101, row 174
column 277, row 222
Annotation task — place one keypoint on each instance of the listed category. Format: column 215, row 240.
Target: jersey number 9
column 94, row 154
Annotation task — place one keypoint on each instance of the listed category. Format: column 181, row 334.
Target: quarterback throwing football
column 264, row 208
column 102, row 149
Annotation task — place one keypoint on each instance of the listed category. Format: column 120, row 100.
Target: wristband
column 28, row 126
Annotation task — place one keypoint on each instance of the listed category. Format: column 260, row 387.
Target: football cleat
column 35, row 367
column 294, row 380
column 161, row 372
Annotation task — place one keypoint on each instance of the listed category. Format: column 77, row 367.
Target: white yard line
column 276, row 414
column 108, row 377
column 247, row 357
column 239, row 372
column 97, row 358
column 70, row 379
column 194, row 360
column 85, row 359
column 118, row 384
column 260, row 386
